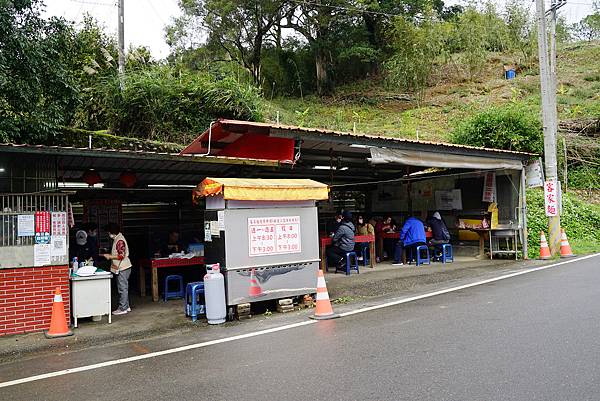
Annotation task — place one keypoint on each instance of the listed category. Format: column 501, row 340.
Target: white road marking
column 276, row 329
column 462, row 287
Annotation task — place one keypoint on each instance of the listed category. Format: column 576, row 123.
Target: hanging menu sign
column 274, row 235
column 489, row 187
column 42, row 227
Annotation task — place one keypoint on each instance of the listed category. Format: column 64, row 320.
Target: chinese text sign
column 551, row 198
column 274, row 235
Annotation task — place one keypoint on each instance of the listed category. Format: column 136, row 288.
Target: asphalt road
column 531, row 337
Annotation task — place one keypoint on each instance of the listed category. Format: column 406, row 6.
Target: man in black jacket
column 440, row 232
column 343, row 240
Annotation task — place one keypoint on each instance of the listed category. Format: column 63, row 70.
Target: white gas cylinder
column 214, row 295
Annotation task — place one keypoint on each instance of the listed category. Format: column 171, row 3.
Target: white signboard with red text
column 551, row 198
column 274, row 235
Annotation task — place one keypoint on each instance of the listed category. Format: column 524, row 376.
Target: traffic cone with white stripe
column 255, row 290
column 323, row 310
column 58, row 321
column 565, row 248
column 544, row 248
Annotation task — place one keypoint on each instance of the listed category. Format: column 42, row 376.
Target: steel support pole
column 121, row 39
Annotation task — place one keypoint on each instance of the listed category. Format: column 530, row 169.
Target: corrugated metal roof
column 322, row 131
column 142, row 154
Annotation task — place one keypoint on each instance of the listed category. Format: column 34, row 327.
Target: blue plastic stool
column 447, row 255
column 365, row 251
column 349, row 265
column 193, row 307
column 173, row 294
column 420, row 250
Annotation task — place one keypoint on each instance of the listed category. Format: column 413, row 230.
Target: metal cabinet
column 90, row 296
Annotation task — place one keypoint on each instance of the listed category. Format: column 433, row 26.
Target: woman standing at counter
column 120, row 266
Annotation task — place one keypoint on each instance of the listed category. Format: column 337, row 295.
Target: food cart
column 264, row 233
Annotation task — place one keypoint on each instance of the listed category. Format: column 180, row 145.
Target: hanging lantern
column 128, row 179
column 91, row 177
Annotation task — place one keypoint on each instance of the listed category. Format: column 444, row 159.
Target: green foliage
column 584, row 177
column 160, row 103
column 579, row 219
column 37, row 88
column 416, row 49
column 511, row 127
column 588, row 28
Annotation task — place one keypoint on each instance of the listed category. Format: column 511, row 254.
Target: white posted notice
column 274, row 235
column 42, row 254
column 25, row 225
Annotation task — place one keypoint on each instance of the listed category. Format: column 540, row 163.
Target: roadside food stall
column 264, row 233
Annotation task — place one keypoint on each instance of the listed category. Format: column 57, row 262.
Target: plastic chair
column 349, row 265
column 193, row 307
column 447, row 254
column 179, row 293
column 365, row 252
column 419, row 259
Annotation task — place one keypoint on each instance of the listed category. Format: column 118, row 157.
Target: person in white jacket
column 120, row 266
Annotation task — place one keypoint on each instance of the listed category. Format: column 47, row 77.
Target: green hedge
column 512, row 127
column 581, row 220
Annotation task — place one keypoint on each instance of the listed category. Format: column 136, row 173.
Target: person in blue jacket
column 411, row 236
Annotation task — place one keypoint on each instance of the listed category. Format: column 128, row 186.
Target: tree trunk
column 256, row 60
column 323, row 87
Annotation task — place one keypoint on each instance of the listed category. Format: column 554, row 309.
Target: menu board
column 274, row 235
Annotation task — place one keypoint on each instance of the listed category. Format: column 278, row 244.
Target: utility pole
column 121, row 35
column 549, row 119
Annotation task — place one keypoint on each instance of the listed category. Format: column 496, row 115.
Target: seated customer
column 343, row 241
column 172, row 245
column 411, row 236
column 332, row 225
column 364, row 227
column 389, row 243
column 439, row 230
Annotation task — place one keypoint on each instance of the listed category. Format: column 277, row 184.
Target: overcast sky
column 145, row 20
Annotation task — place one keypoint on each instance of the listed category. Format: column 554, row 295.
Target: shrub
column 578, row 218
column 511, row 127
column 162, row 104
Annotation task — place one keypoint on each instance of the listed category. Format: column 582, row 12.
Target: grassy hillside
column 378, row 110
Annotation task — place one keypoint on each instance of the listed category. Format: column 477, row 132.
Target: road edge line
column 462, row 287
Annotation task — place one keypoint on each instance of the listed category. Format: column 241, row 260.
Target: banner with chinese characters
column 489, row 187
column 42, row 227
column 551, row 198
column 274, row 235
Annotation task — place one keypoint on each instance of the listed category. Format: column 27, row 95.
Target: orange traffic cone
column 58, row 321
column 323, row 310
column 544, row 248
column 565, row 248
column 255, row 289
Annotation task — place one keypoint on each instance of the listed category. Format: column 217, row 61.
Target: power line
column 93, row 3
column 156, row 12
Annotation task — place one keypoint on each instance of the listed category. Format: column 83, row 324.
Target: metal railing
column 13, row 205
